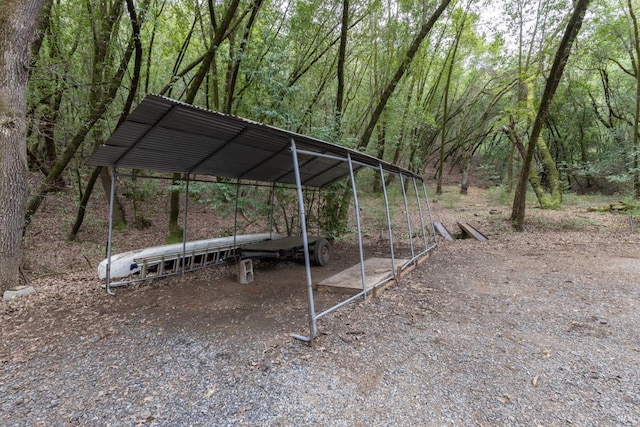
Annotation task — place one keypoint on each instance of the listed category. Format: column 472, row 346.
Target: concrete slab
column 19, row 291
column 349, row 281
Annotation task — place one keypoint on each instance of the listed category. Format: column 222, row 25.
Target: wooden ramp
column 349, row 281
column 472, row 232
column 442, row 230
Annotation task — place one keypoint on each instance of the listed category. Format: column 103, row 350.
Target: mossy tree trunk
column 466, row 165
column 552, row 199
column 176, row 233
column 557, row 69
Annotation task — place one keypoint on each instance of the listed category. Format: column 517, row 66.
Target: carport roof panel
column 166, row 135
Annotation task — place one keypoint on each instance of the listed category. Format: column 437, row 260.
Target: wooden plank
column 442, row 230
column 422, row 259
column 350, row 280
column 408, row 269
column 378, row 290
column 472, row 232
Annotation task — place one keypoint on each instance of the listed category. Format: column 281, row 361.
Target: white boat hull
column 129, row 263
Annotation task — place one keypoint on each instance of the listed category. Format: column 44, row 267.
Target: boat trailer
column 291, row 247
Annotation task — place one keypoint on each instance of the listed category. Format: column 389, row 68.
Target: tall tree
column 342, row 54
column 135, row 81
column 635, row 59
column 445, row 101
column 220, row 31
column 555, row 75
column 400, row 71
column 236, row 58
column 18, row 21
column 106, row 79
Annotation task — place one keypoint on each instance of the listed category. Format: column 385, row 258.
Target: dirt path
column 536, row 328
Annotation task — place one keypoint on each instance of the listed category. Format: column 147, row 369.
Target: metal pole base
column 301, row 338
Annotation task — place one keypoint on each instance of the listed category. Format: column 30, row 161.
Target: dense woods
column 425, row 84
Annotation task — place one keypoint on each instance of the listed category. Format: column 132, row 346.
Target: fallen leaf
column 212, row 390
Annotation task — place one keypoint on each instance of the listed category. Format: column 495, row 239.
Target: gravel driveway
column 527, row 329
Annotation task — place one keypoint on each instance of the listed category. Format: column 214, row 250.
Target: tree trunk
column 544, row 200
column 18, row 20
column 236, row 58
column 176, row 232
column 553, row 199
column 342, row 53
column 382, row 142
column 466, row 165
column 219, row 35
column 402, row 68
column 49, row 119
column 139, row 221
column 445, row 107
column 510, row 165
column 44, row 24
column 73, row 234
column 99, row 99
column 119, row 218
column 636, row 69
column 557, row 69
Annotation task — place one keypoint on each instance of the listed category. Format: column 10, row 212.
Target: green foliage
column 588, row 201
column 251, row 202
column 334, row 208
column 499, row 195
column 287, row 77
column 451, row 198
column 174, row 237
column 573, row 223
column 491, row 172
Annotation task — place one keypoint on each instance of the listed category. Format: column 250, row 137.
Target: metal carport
column 165, row 135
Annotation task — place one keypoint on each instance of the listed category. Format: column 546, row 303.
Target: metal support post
column 424, row 234
column 235, row 215
column 305, row 241
column 386, row 205
column 433, row 229
column 112, row 197
column 184, row 225
column 271, row 196
column 357, row 208
column 406, row 209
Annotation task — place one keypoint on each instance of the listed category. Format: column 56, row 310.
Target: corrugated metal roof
column 166, row 135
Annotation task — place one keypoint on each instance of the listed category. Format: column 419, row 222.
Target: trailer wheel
column 321, row 252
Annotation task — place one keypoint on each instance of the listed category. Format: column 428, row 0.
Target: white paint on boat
column 128, row 263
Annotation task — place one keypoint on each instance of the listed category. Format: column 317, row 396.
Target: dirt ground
column 532, row 328
column 211, row 300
